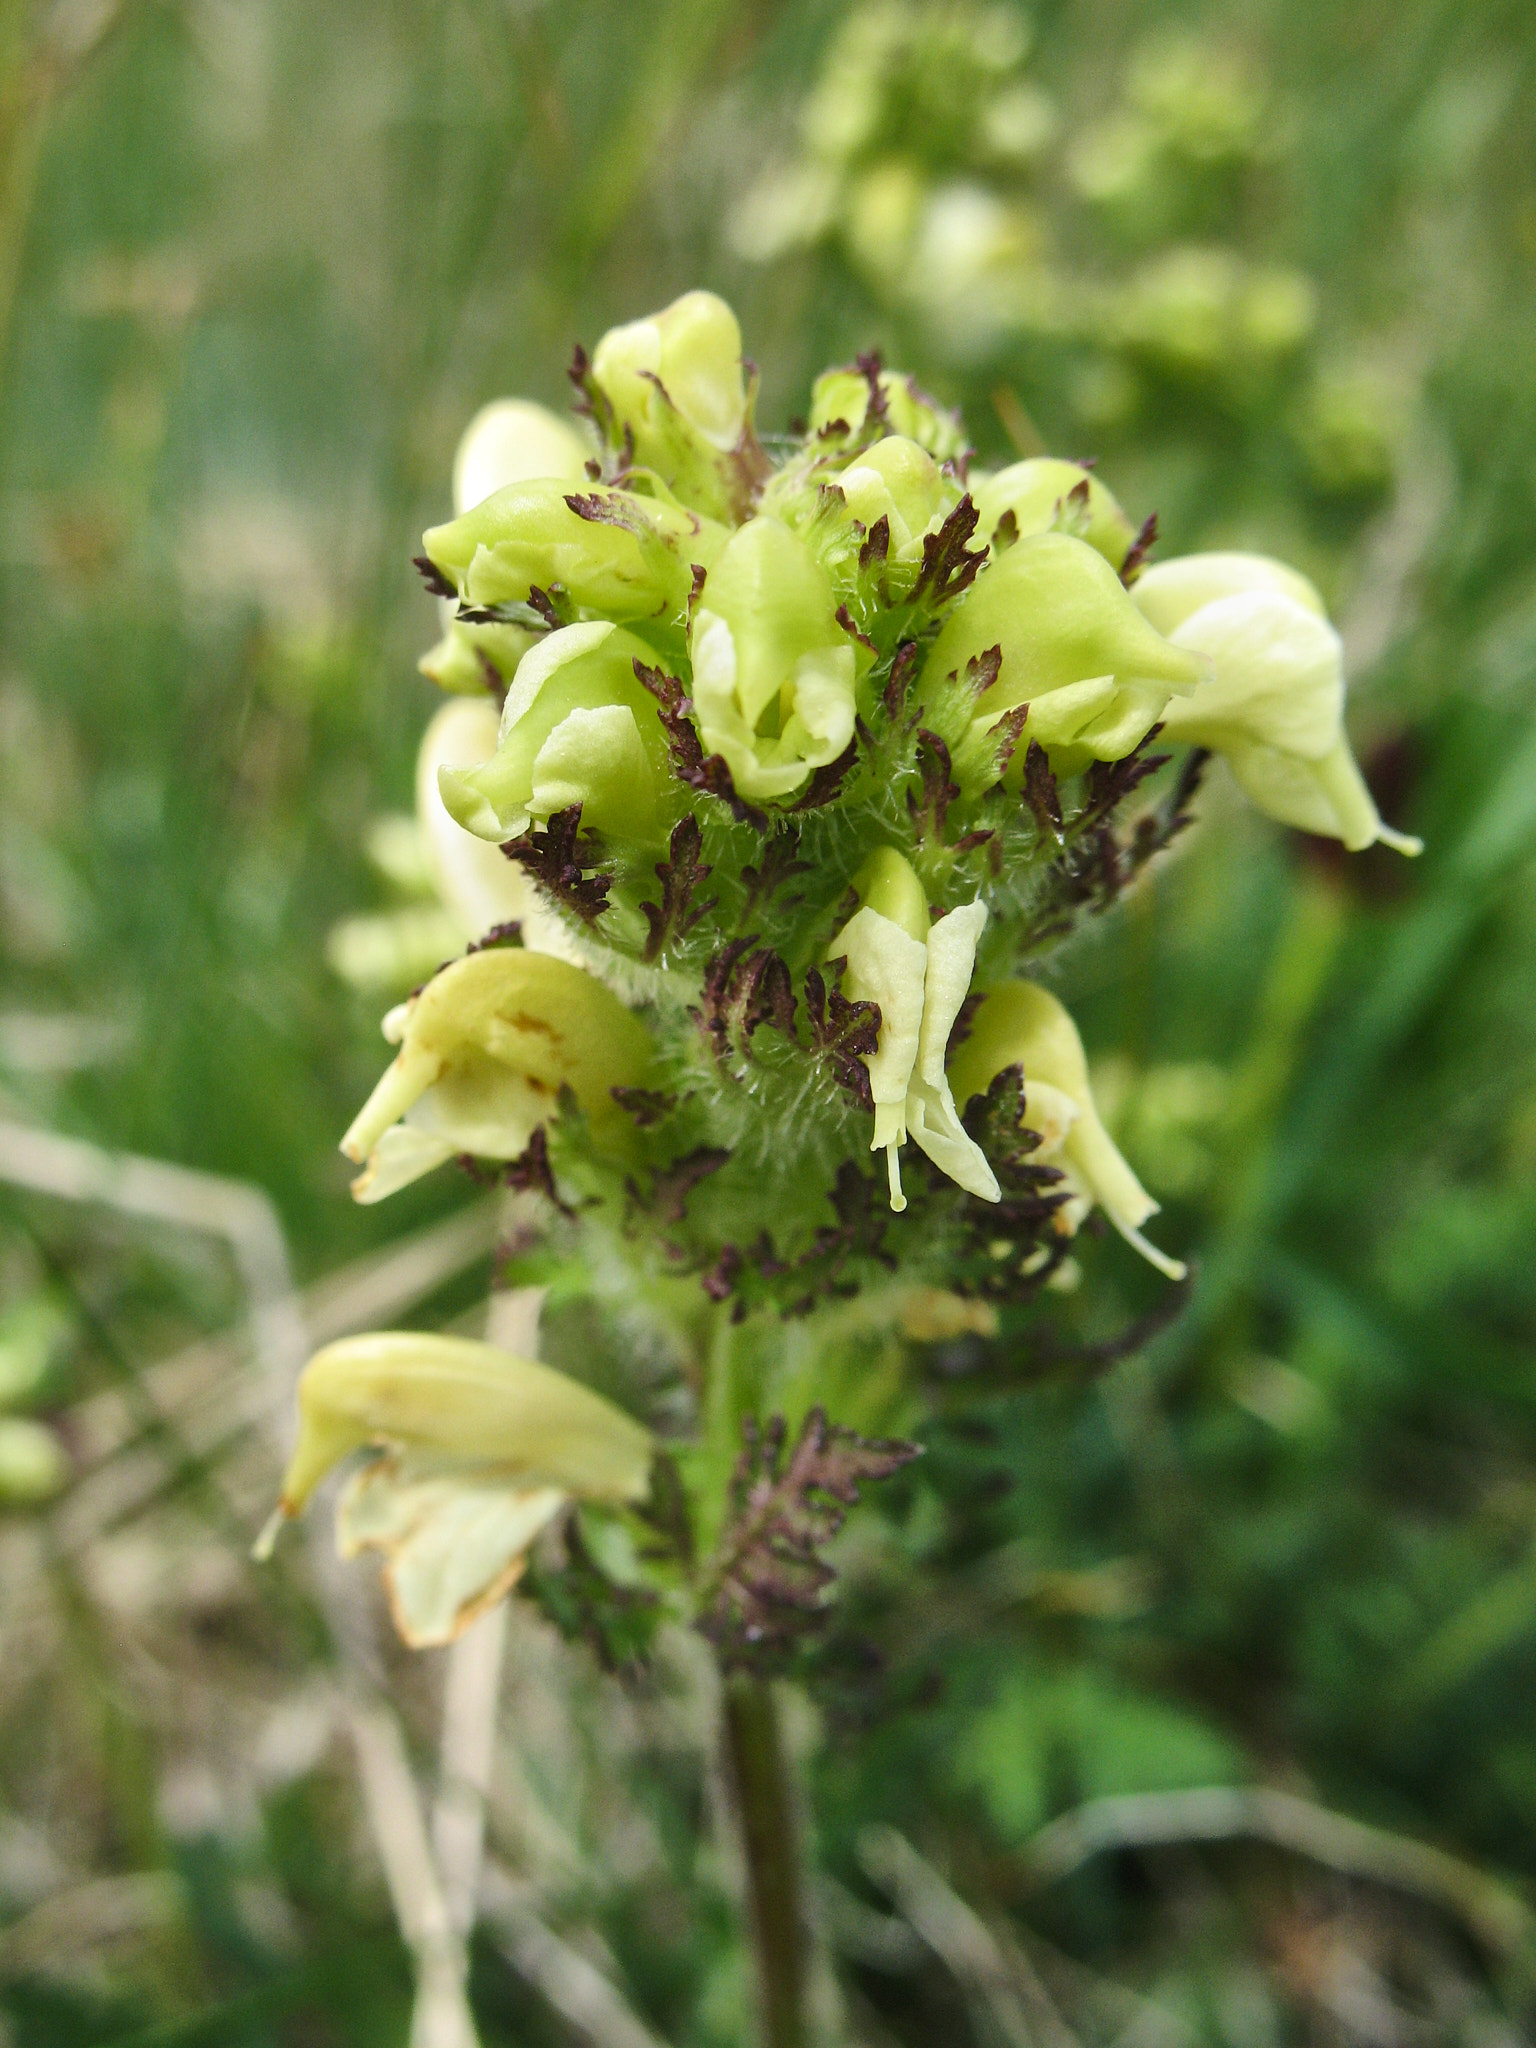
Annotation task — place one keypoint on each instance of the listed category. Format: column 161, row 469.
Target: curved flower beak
column 1021, row 1024
column 485, row 1049
column 919, row 974
column 1274, row 705
column 623, row 556
column 480, row 1451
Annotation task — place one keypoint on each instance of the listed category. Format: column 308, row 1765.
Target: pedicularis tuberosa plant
column 771, row 776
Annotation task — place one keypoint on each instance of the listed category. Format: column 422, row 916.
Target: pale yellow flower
column 1021, row 1024
column 479, row 1451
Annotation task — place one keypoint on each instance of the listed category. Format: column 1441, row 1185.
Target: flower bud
column 1206, row 314
column 511, row 441
column 773, row 672
column 478, row 885
column 1039, row 494
column 474, row 657
column 627, row 557
column 882, row 211
column 674, row 387
column 577, row 727
column 1020, row 1024
column 1274, row 705
column 844, row 396
column 485, row 1049
column 1074, row 647
column 919, row 973
column 481, row 1451
column 897, row 481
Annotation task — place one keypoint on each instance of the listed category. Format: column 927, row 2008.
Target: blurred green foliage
column 257, row 266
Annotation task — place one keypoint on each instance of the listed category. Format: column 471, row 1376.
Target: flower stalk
column 773, row 1854
column 764, row 787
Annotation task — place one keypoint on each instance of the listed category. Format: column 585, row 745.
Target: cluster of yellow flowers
column 698, row 650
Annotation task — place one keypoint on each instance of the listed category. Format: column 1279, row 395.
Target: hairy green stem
column 765, row 1810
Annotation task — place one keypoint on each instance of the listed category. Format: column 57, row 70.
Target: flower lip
column 919, row 974
column 577, row 727
column 477, row 884
column 478, row 1450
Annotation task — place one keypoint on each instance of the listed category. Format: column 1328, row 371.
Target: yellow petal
column 1023, row 1024
column 471, row 1401
column 1278, row 681
column 454, row 1543
column 1170, row 592
column 932, row 1118
column 889, row 967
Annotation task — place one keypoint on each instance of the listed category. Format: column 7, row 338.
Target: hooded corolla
column 1021, row 1024
column 1273, row 703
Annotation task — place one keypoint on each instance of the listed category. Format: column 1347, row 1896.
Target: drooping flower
column 1274, row 703
column 919, row 972
column 485, row 1049
column 672, row 390
column 842, row 400
column 508, row 442
column 773, row 672
column 577, row 727
column 479, row 1451
column 1071, row 645
column 1022, row 1024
